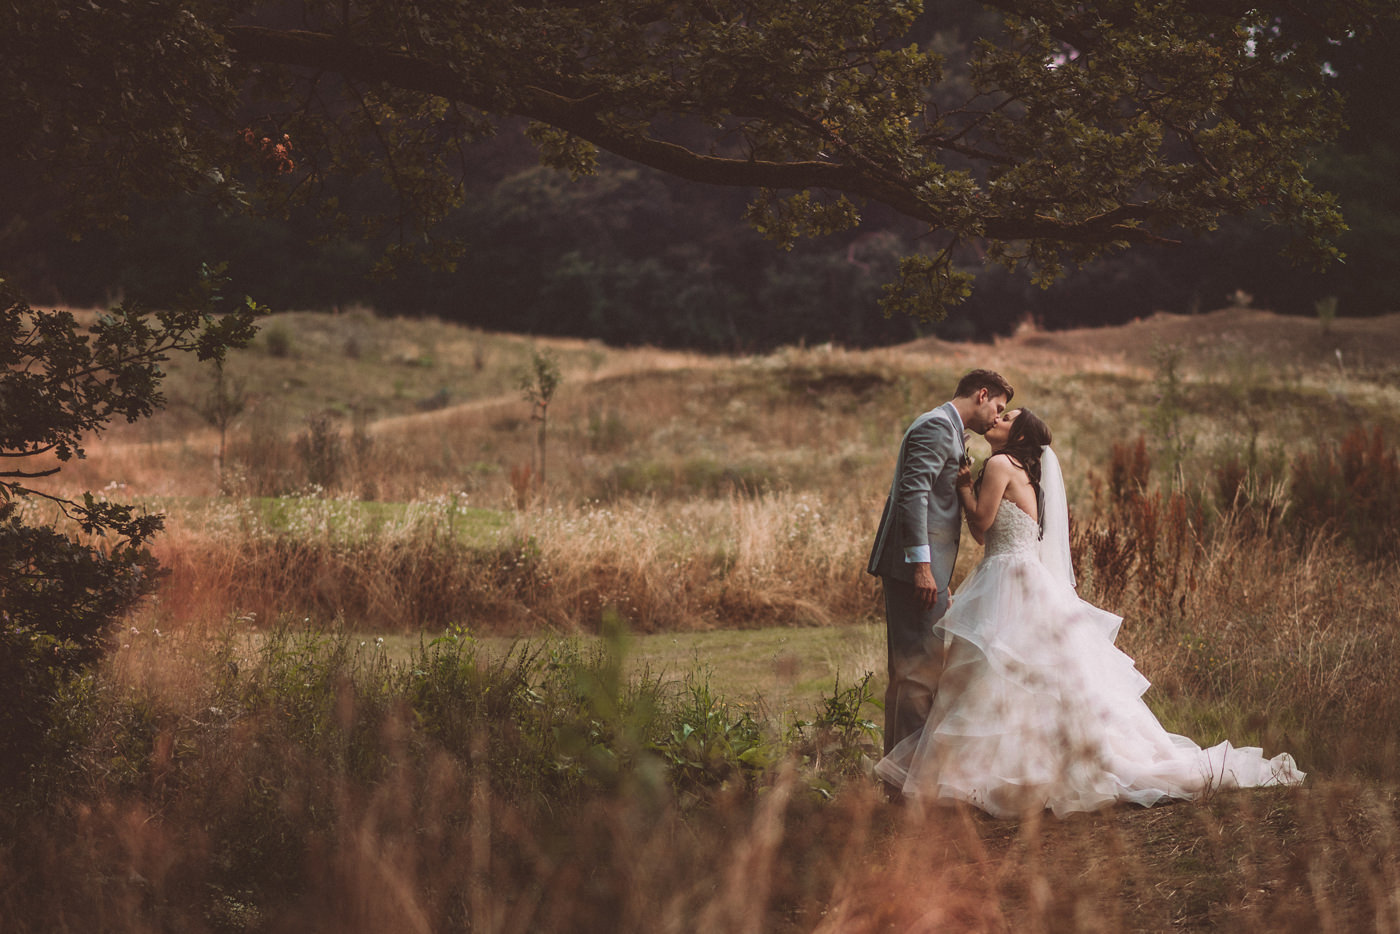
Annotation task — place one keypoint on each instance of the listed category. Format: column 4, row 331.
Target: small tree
column 538, row 383
column 225, row 402
column 1168, row 414
column 1326, row 309
column 60, row 383
column 322, row 451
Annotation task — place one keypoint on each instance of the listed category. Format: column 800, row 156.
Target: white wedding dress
column 1037, row 708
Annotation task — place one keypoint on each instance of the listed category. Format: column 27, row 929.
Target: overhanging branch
column 30, row 474
column 583, row 116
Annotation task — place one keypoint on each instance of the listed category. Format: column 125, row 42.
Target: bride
column 1036, row 708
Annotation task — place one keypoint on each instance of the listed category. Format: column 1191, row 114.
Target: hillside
column 626, row 419
column 383, row 367
column 1209, row 342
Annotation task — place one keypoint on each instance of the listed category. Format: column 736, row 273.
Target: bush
column 60, row 385
column 1248, row 491
column 1141, row 541
column 59, row 598
column 841, row 739
column 1352, row 490
column 322, row 451
column 713, row 743
column 278, row 340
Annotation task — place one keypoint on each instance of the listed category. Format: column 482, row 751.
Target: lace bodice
column 1013, row 532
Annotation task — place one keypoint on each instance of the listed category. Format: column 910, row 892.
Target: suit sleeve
column 926, row 451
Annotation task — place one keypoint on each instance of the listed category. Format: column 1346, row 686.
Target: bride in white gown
column 1036, row 708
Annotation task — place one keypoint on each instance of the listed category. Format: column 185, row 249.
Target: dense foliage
column 61, row 383
column 1031, row 132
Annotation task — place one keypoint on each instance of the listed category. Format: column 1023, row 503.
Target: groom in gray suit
column 917, row 543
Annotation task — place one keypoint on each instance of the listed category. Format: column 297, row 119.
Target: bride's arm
column 981, row 508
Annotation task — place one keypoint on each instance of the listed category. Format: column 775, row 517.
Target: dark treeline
column 631, row 256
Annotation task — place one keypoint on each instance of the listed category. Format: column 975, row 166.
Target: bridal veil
column 1054, row 539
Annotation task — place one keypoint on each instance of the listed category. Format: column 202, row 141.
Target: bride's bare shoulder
column 1002, row 462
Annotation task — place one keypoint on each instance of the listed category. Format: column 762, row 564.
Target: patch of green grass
column 780, row 670
column 1208, row 722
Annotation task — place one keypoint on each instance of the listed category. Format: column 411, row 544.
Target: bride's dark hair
column 1028, row 435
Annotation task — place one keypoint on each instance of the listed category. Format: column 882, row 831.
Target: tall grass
column 745, row 560
column 1256, row 619
column 313, row 785
column 217, row 778
column 233, row 781
column 447, row 791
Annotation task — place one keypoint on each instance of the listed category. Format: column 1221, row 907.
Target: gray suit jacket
column 923, row 507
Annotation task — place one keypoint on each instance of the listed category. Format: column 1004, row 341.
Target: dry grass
column 690, row 494
column 776, row 558
column 190, row 814
column 234, row 834
column 697, row 494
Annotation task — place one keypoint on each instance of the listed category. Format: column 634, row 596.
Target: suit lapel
column 959, row 429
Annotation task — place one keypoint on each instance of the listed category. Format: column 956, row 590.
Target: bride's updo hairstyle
column 1028, row 435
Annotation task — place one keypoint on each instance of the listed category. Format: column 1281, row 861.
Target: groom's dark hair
column 993, row 382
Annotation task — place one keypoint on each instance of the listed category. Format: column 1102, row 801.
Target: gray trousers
column 915, row 658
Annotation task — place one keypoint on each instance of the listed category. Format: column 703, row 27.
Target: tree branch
column 584, row 117
column 30, row 474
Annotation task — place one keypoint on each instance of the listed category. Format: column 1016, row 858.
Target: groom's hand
column 925, row 587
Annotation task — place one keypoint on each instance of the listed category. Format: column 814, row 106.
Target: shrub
column 322, row 451
column 278, row 341
column 60, row 386
column 841, row 739
column 1351, row 489
column 59, row 599
column 1140, row 541
column 1129, row 470
column 712, row 742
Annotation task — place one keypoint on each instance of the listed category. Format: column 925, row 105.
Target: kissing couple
column 1013, row 697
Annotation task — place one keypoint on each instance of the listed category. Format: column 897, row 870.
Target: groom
column 917, row 543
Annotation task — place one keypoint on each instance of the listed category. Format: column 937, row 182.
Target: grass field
column 394, row 681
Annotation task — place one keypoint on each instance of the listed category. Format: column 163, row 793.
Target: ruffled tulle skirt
column 1037, row 709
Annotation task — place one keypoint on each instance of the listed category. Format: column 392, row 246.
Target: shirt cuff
column 918, row 554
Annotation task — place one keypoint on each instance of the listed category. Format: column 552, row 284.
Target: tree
column 60, row 383
column 1081, row 130
column 538, row 383
column 226, row 401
